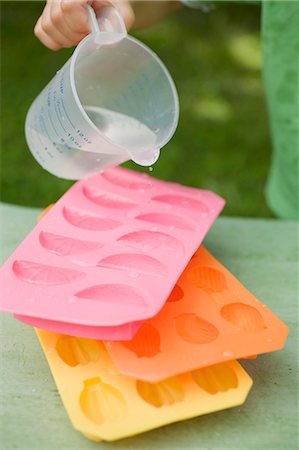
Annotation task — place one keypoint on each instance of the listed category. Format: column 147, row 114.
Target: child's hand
column 64, row 23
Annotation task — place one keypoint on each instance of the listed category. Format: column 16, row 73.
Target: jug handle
column 109, row 20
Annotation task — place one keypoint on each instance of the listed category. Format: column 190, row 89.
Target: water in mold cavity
column 163, row 393
column 245, row 317
column 87, row 221
column 126, row 131
column 147, row 240
column 214, row 379
column 64, row 246
column 114, row 293
column 146, row 342
column 101, row 402
column 194, row 329
column 45, row 275
column 182, row 201
column 125, row 181
column 139, row 264
column 77, row 351
column 107, row 200
column 167, row 220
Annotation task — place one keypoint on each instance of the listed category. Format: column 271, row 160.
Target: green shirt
column 280, row 45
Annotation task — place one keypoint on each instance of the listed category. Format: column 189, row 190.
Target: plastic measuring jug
column 112, row 101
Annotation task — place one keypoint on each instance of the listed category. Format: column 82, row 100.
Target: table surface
column 263, row 255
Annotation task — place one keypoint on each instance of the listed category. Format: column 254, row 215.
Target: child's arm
column 64, row 23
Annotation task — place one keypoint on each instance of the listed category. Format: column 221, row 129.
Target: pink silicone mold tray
column 209, row 318
column 108, row 253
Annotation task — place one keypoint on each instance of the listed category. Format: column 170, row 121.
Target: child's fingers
column 49, row 22
column 44, row 37
column 75, row 15
column 61, row 30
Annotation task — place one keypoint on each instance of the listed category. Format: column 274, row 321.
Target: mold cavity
column 146, row 342
column 87, row 221
column 243, row 316
column 130, row 261
column 107, row 200
column 101, row 402
column 126, row 181
column 77, row 351
column 166, row 220
column 150, row 240
column 176, row 294
column 214, row 379
column 194, row 329
column 114, row 293
column 164, row 393
column 64, row 246
column 182, row 201
column 32, row 272
column 207, row 278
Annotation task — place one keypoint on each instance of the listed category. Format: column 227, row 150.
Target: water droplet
column 150, row 169
column 154, row 229
column 133, row 274
column 228, row 354
column 33, row 390
column 171, row 227
column 32, row 300
column 269, row 340
column 109, row 344
column 72, row 300
column 146, row 248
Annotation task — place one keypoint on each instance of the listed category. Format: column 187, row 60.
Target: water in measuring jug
column 127, row 132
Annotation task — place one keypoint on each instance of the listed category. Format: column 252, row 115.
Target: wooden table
column 263, row 255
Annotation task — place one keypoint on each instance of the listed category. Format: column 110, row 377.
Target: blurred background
column 222, row 142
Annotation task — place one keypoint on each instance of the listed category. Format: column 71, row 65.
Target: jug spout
column 145, row 157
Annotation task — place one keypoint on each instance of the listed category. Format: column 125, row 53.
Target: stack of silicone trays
column 141, row 326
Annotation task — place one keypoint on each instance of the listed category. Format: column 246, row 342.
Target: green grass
column 222, row 142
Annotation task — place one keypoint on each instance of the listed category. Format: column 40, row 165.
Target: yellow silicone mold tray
column 103, row 404
column 209, row 318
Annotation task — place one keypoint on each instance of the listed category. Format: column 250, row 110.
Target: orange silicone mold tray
column 103, row 404
column 208, row 318
column 108, row 253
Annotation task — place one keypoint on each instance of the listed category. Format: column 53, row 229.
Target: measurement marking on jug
column 52, row 123
column 66, row 113
column 43, row 126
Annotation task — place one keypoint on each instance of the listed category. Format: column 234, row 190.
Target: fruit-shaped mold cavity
column 127, row 181
column 182, row 201
column 177, row 294
column 134, row 263
column 64, row 246
column 75, row 351
column 243, row 316
column 107, row 200
column 101, row 402
column 114, row 293
column 171, row 221
column 195, row 329
column 146, row 342
column 214, row 379
column 87, row 221
column 207, row 278
column 42, row 274
column 164, row 393
column 147, row 240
